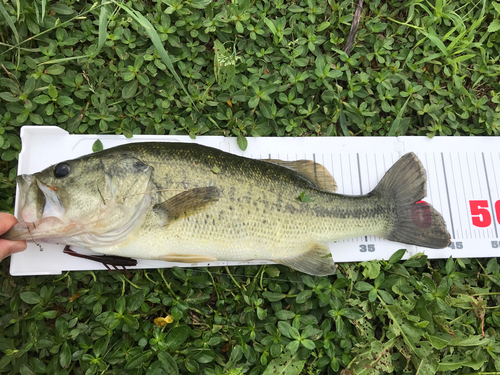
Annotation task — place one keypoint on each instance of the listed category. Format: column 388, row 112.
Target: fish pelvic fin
column 187, row 203
column 317, row 261
column 414, row 222
column 314, row 172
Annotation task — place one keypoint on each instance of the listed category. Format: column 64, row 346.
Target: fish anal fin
column 314, row 172
column 187, row 258
column 187, row 203
column 317, row 261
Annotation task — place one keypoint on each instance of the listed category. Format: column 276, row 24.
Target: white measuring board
column 463, row 185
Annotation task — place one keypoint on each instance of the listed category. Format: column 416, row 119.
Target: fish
column 184, row 202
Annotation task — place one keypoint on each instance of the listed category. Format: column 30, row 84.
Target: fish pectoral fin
column 187, row 258
column 314, row 172
column 317, row 261
column 187, row 203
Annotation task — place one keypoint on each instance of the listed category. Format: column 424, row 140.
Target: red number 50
column 481, row 216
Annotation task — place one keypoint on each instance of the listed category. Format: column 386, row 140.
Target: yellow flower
column 162, row 322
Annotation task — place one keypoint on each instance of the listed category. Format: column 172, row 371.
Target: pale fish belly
column 236, row 237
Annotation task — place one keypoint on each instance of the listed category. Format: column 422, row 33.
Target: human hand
column 9, row 247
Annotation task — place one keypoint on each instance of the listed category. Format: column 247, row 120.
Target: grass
column 243, row 68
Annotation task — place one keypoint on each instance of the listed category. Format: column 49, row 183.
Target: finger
column 10, row 247
column 6, row 221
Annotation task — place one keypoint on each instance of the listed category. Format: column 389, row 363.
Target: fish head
column 94, row 194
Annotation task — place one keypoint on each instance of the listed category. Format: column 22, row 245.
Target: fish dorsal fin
column 314, row 172
column 187, row 203
column 317, row 261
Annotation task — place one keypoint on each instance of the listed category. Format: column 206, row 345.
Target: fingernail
column 17, row 247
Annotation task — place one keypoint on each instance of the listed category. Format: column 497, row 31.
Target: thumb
column 10, row 247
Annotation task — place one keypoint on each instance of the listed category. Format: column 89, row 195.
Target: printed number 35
column 364, row 248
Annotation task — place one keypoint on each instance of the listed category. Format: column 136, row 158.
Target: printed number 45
column 364, row 248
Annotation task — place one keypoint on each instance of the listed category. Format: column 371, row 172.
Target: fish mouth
column 53, row 205
column 41, row 210
column 33, row 230
column 38, row 200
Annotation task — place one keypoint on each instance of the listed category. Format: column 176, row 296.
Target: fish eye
column 61, row 170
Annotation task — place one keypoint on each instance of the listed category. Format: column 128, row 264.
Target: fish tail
column 413, row 221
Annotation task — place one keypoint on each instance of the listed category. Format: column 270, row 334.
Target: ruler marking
column 489, row 194
column 465, row 195
column 448, row 196
column 350, row 174
column 470, row 176
column 438, row 193
column 359, row 175
column 456, row 193
column 494, row 172
column 342, row 174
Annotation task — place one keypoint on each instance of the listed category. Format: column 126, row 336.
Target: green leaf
column 322, row 26
column 363, row 286
column 293, row 346
column 494, row 26
column 97, row 146
column 131, row 321
column 25, row 370
column 30, row 85
column 103, row 30
column 52, row 91
column 450, row 265
column 242, row 142
column 61, row 8
column 177, row 336
column 253, row 102
column 266, row 109
column 129, row 89
column 8, row 96
column 168, row 363
column 303, row 296
column 386, row 296
column 371, row 269
column 138, row 360
column 30, row 297
column 10, row 155
column 436, row 40
column 273, row 296
column 309, row 344
column 155, row 38
column 6, row 16
column 65, row 355
column 353, row 313
column 64, row 101
column 397, row 256
column 120, row 304
column 285, row 364
column 55, row 69
column 199, row 4
column 42, row 99
column 343, row 123
column 270, row 24
column 285, row 314
column 437, row 342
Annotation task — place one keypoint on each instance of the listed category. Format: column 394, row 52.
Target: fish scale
column 190, row 203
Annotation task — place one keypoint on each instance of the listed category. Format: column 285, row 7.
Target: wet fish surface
column 183, row 202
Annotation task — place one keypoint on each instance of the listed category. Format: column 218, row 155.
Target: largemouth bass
column 184, row 202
